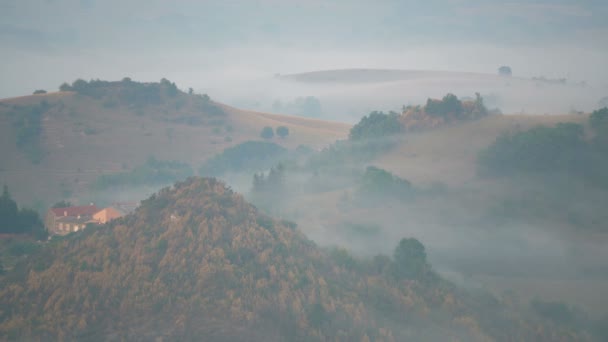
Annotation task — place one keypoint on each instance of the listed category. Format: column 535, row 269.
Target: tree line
column 15, row 220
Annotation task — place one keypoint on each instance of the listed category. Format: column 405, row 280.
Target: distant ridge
column 363, row 75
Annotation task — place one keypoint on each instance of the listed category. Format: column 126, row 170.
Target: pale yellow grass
column 449, row 154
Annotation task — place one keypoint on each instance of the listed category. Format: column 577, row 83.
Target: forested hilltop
column 196, row 260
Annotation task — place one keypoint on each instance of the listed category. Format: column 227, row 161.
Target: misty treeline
column 249, row 156
column 15, row 220
column 197, row 260
column 565, row 149
column 139, row 96
column 555, row 173
column 345, row 164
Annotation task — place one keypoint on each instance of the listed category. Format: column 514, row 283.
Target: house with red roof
column 62, row 221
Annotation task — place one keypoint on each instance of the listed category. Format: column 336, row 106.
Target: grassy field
column 448, row 154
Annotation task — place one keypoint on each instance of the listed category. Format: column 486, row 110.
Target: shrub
column 450, row 104
column 267, row 133
column 505, row 71
column 376, row 125
column 379, row 182
column 598, row 120
column 410, row 259
column 282, row 131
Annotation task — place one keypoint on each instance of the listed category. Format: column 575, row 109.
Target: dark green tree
column 267, row 133
column 282, row 131
column 9, row 214
column 80, row 85
column 450, row 104
column 65, row 87
column 598, row 120
column 15, row 221
column 410, row 259
column 505, row 70
column 376, row 125
column 379, row 182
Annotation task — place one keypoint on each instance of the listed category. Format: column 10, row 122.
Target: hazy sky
column 196, row 43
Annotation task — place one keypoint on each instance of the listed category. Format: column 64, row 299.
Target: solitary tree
column 39, row 91
column 282, row 131
column 65, row 87
column 598, row 120
column 410, row 259
column 505, row 71
column 267, row 132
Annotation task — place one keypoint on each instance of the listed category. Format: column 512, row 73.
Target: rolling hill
column 381, row 75
column 196, row 261
column 77, row 136
column 347, row 93
column 449, row 154
column 499, row 233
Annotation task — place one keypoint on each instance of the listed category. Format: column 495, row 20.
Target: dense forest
column 197, row 260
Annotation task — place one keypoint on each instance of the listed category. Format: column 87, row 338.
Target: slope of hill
column 448, row 154
column 544, row 230
column 72, row 137
column 197, row 261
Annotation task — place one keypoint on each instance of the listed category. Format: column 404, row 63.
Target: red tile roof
column 83, row 210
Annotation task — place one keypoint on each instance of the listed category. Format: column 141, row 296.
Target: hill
column 484, row 230
column 196, row 260
column 448, row 154
column 55, row 145
column 381, row 75
column 349, row 93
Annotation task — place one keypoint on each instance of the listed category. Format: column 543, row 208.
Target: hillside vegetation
column 57, row 144
column 196, row 260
